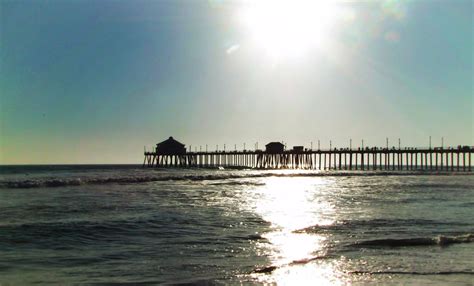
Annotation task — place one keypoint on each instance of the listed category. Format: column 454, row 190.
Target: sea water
column 125, row 224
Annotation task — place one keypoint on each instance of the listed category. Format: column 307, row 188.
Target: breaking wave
column 238, row 183
column 351, row 225
column 62, row 182
column 413, row 273
column 440, row 240
column 271, row 268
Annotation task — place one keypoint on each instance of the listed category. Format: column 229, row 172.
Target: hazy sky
column 95, row 81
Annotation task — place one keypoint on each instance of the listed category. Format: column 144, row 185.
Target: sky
column 95, row 81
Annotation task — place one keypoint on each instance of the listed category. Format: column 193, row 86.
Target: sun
column 289, row 28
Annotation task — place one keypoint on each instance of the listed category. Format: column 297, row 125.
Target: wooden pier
column 432, row 159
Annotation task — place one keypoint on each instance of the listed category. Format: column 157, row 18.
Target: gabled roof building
column 170, row 147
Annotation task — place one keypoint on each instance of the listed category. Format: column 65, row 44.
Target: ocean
column 108, row 224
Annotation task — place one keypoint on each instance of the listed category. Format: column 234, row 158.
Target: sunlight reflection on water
column 291, row 204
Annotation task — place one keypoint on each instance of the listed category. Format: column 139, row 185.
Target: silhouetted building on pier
column 170, row 147
column 298, row 149
column 274, row 147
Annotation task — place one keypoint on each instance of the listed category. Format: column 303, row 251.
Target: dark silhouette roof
column 274, row 144
column 170, row 142
column 170, row 147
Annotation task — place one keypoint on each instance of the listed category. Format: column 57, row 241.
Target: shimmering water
column 125, row 224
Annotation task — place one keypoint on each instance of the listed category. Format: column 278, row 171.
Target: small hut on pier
column 298, row 149
column 170, row 147
column 274, row 147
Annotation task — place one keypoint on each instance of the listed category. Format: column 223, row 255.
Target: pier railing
column 442, row 159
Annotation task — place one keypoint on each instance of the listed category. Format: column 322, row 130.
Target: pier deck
column 442, row 159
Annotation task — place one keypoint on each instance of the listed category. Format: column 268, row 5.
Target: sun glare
column 289, row 28
column 291, row 204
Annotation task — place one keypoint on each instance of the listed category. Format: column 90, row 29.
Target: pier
column 275, row 157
